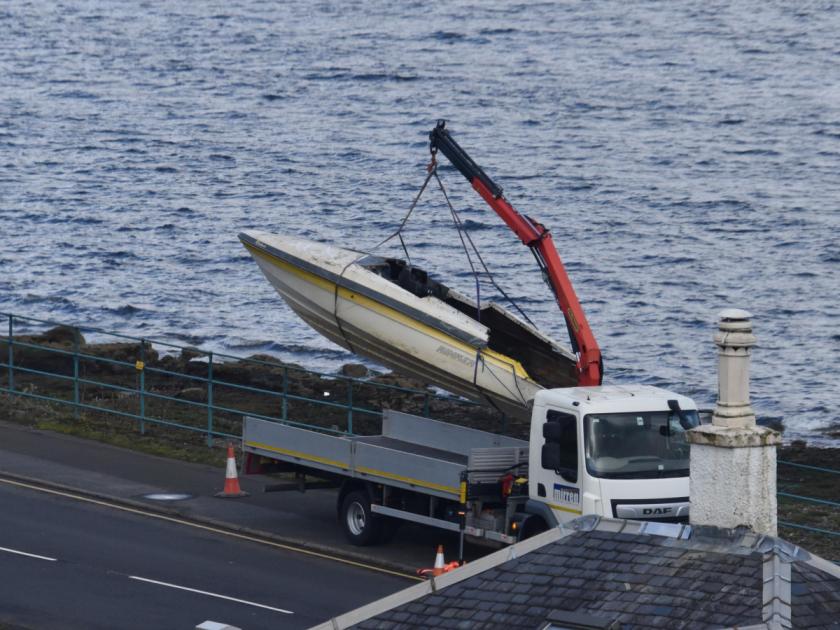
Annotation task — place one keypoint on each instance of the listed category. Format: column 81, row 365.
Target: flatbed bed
column 412, row 453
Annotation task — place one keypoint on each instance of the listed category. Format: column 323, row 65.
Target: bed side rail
column 440, row 435
column 299, row 446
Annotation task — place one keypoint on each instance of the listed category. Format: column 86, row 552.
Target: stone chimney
column 733, row 461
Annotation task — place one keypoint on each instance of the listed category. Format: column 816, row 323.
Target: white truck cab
column 617, row 451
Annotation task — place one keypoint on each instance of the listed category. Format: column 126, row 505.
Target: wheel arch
column 538, row 518
column 352, row 485
column 538, row 508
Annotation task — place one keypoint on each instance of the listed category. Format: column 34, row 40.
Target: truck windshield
column 638, row 445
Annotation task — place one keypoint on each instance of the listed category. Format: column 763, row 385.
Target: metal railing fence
column 824, row 510
column 166, row 384
column 808, row 499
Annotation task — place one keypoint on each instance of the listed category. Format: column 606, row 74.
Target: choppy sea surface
column 685, row 155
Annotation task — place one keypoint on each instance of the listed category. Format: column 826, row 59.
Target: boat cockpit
column 546, row 363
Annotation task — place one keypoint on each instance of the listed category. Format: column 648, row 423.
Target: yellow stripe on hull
column 491, row 356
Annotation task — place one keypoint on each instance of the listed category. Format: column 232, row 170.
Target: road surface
column 73, row 563
column 127, row 476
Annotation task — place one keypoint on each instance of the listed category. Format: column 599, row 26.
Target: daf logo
column 652, row 511
column 663, row 511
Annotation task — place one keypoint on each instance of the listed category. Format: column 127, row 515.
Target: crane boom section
column 538, row 238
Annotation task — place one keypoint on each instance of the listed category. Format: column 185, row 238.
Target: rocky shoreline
column 110, row 379
column 110, row 372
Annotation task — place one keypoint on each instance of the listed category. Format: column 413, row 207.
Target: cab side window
column 560, row 452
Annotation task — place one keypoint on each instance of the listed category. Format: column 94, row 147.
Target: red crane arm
column 538, row 239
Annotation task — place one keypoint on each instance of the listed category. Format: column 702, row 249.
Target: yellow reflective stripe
column 564, row 509
column 414, row 482
column 360, row 469
column 500, row 360
column 299, row 455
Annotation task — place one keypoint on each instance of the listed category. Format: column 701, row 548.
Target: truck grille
column 671, row 510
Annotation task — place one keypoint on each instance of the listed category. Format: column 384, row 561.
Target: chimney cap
column 734, row 315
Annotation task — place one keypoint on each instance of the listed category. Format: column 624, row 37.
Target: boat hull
column 372, row 317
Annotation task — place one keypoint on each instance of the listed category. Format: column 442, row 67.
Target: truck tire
column 361, row 526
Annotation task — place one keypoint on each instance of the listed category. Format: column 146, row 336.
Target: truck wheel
column 361, row 526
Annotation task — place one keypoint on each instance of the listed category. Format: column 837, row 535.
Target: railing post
column 285, row 414
column 11, row 356
column 349, row 406
column 210, row 399
column 76, row 401
column 141, row 367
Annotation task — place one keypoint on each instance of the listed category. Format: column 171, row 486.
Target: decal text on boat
column 452, row 354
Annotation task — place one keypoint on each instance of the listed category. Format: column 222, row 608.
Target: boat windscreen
column 412, row 279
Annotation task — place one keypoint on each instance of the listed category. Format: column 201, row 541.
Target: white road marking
column 28, row 555
column 193, row 590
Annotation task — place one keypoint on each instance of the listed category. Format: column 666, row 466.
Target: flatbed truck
column 615, row 451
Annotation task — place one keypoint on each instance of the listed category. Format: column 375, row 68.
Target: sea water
column 684, row 155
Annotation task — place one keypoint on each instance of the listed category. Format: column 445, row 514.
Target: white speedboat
column 396, row 315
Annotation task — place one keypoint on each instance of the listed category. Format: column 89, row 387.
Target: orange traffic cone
column 439, row 562
column 232, row 488
column 440, row 566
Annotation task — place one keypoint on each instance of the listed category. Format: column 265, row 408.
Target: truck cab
column 618, row 451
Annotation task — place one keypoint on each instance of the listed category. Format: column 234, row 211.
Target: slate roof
column 608, row 573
